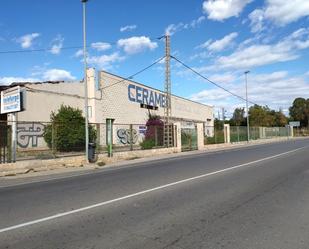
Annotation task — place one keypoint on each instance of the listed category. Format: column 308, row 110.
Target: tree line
column 264, row 116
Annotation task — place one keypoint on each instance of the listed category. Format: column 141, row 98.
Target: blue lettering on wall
column 139, row 94
column 145, row 96
column 131, row 94
column 158, row 99
column 151, row 100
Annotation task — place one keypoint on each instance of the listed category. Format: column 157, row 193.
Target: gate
column 5, row 138
column 189, row 139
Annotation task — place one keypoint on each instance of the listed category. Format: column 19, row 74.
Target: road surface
column 255, row 197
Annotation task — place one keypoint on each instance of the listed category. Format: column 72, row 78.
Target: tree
column 259, row 116
column 154, row 132
column 67, row 130
column 280, row 119
column 299, row 111
column 264, row 116
column 238, row 117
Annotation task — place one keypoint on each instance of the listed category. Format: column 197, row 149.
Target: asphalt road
column 255, row 197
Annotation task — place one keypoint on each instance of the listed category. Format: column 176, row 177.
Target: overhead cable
column 133, row 75
column 210, row 81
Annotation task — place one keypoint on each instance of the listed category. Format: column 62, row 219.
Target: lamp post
column 248, row 128
column 85, row 80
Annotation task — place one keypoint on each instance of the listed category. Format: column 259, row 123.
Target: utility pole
column 167, row 88
column 85, row 81
column 223, row 114
column 248, row 128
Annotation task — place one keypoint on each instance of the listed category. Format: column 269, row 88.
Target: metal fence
column 5, row 151
column 300, row 132
column 214, row 135
column 46, row 140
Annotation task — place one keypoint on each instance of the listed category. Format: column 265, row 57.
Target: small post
column 247, row 108
column 53, row 140
column 98, row 137
column 109, row 136
column 131, row 137
column 14, row 137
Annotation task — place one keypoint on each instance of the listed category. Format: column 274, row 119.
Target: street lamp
column 85, row 80
column 248, row 128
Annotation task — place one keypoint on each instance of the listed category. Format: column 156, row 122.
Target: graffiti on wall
column 27, row 132
column 125, row 134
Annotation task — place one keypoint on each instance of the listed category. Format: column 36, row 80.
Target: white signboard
column 11, row 100
column 187, row 125
column 294, row 123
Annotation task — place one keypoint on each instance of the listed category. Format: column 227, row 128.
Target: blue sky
column 220, row 39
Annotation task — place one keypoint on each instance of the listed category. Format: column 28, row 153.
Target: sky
column 220, row 39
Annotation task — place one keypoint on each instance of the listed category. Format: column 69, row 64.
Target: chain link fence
column 46, row 140
column 214, row 135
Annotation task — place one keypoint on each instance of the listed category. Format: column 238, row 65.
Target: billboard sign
column 294, row 123
column 11, row 100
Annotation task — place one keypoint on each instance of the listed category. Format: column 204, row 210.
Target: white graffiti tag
column 27, row 131
column 125, row 134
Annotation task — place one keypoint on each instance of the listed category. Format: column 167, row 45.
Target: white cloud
column 105, row 61
column 9, row 80
column 136, row 44
column 197, row 21
column 128, row 28
column 257, row 18
column 279, row 12
column 221, row 44
column 101, row 46
column 57, row 75
column 57, row 45
column 283, row 12
column 173, row 28
column 79, row 53
column 40, row 74
column 225, row 78
column 222, row 9
column 276, row 90
column 27, row 40
column 258, row 55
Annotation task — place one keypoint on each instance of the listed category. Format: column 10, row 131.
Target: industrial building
column 109, row 97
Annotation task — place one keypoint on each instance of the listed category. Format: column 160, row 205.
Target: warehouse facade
column 109, row 97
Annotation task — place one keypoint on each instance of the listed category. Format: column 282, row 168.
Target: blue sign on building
column 146, row 96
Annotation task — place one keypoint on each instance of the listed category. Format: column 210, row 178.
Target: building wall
column 118, row 99
column 122, row 98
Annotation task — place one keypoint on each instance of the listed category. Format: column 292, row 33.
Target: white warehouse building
column 110, row 97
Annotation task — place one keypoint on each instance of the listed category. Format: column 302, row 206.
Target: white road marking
column 142, row 192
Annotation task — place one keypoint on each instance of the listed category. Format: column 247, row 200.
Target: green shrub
column 148, row 144
column 67, row 130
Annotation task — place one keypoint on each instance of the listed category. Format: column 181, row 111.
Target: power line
column 210, row 81
column 63, row 48
column 118, row 82
column 133, row 75
column 38, row 50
